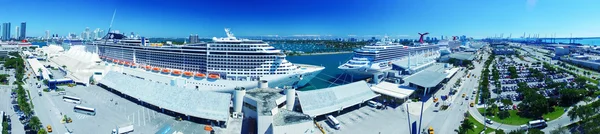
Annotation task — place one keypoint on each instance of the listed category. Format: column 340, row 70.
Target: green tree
column 499, row 131
column 507, row 102
column 535, row 131
column 569, row 97
column 35, row 123
column 517, row 132
column 560, row 130
column 42, row 131
column 503, row 114
column 534, row 105
column 465, row 127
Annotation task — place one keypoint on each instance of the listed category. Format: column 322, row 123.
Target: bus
column 333, row 121
column 84, row 110
column 71, row 99
column 536, row 124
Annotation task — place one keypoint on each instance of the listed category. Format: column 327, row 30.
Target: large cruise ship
column 221, row 65
column 382, row 55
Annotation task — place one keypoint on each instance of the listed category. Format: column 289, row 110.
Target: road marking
column 133, row 117
column 144, row 115
column 138, row 114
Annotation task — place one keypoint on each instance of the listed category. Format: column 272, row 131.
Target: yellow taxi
column 49, row 128
column 430, row 130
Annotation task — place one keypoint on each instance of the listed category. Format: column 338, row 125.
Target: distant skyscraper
column 6, row 31
column 23, row 34
column 194, row 39
column 87, row 33
column 17, row 35
column 97, row 33
column 47, row 34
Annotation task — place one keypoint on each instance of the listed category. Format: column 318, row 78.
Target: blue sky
column 397, row 18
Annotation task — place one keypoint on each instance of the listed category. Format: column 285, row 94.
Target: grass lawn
column 478, row 127
column 515, row 119
column 558, row 111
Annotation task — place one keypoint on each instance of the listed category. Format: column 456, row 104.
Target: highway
column 447, row 121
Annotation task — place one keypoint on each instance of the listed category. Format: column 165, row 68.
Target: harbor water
column 331, row 75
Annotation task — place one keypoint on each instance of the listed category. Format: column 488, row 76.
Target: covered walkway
column 37, row 66
column 393, row 90
column 334, row 99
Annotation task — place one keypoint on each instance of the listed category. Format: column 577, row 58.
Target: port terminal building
column 431, row 78
column 205, row 107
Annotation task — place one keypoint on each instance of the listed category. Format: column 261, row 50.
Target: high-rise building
column 47, row 34
column 16, row 36
column 194, row 39
column 6, row 31
column 87, row 33
column 23, row 34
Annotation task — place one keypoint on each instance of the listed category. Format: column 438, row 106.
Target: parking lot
column 368, row 120
column 525, row 72
column 112, row 111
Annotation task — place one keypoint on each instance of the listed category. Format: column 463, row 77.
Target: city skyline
column 402, row 19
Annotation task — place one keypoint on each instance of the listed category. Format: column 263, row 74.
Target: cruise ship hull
column 362, row 72
column 299, row 79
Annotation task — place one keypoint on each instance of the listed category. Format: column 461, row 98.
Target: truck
column 123, row 129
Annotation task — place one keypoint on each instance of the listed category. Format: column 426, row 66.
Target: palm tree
column 465, row 126
column 35, row 123
column 573, row 113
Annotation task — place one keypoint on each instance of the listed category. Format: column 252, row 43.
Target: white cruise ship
column 221, row 65
column 381, row 56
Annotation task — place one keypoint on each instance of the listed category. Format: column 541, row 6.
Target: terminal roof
column 36, row 65
column 426, row 78
column 463, row 56
column 394, row 90
column 202, row 104
column 265, row 99
column 323, row 101
column 287, row 117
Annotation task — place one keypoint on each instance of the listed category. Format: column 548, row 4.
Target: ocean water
column 330, row 74
column 590, row 42
column 39, row 44
column 301, row 47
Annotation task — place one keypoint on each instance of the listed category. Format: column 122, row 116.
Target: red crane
column 422, row 35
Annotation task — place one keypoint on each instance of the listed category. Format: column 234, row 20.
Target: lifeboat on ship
column 200, row 75
column 132, row 64
column 177, row 72
column 148, row 67
column 213, row 76
column 189, row 74
column 166, row 70
column 122, row 62
column 115, row 61
column 127, row 63
column 156, row 69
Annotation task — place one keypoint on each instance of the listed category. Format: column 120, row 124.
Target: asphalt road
column 450, row 119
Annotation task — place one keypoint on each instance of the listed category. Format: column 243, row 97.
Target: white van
column 372, row 104
column 334, row 122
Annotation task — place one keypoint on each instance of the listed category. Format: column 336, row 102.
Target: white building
column 272, row 111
